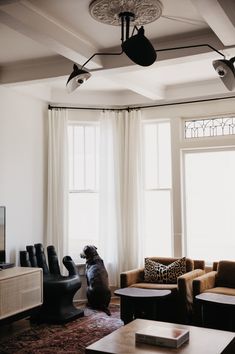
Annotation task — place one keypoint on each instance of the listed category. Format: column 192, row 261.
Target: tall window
column 83, row 186
column 157, row 189
column 209, row 204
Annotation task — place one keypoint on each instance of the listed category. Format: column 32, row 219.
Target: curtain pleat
column 121, row 197
column 57, row 201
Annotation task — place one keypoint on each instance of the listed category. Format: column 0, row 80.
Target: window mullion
column 157, row 155
column 73, row 163
column 95, row 181
column 84, row 157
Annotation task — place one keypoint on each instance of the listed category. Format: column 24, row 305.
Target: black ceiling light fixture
column 137, row 47
column 226, row 71
column 76, row 78
column 125, row 13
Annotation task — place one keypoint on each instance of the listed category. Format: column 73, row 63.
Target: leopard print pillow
column 155, row 272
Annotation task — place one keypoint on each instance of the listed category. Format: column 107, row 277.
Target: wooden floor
column 24, row 324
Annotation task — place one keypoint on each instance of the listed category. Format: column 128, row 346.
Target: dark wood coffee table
column 201, row 341
column 217, row 310
column 140, row 303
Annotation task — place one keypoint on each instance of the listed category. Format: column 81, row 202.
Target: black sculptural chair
column 58, row 290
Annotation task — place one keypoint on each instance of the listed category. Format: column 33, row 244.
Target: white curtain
column 57, row 202
column 121, row 192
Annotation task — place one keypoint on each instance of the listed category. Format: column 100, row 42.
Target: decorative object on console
column 2, row 234
column 4, row 265
column 137, row 47
column 58, row 290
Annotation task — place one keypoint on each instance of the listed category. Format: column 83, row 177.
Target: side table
column 140, row 303
column 217, row 310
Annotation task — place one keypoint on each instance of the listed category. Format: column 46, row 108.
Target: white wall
column 188, row 110
column 23, row 169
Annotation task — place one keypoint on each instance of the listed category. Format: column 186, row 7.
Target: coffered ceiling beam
column 40, row 69
column 25, row 19
column 143, row 88
column 57, row 66
column 220, row 16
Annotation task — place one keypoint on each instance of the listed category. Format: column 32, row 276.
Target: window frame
column 194, row 145
column 84, row 124
column 170, row 189
column 214, row 117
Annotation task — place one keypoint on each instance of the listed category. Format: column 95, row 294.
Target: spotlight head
column 226, row 72
column 139, row 49
column 77, row 78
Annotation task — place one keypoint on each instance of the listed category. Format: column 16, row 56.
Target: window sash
column 157, row 171
column 83, row 164
column 157, row 194
column 186, row 237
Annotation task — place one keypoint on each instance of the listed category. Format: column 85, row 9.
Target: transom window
column 200, row 128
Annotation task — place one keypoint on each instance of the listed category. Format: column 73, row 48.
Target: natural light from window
column 209, row 204
column 157, row 189
column 83, row 187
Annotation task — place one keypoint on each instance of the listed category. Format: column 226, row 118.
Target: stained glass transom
column 200, row 128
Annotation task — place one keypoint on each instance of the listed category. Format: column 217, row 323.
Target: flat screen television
column 2, row 233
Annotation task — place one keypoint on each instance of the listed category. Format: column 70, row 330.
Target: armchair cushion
column 221, row 290
column 156, row 272
column 226, row 274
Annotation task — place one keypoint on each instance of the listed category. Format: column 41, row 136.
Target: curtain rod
column 142, row 107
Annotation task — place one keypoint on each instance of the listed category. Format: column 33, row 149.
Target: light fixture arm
column 125, row 19
column 99, row 54
column 192, row 46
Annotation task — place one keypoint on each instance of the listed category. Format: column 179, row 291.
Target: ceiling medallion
column 144, row 11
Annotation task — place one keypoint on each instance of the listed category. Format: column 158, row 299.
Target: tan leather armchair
column 179, row 306
column 221, row 281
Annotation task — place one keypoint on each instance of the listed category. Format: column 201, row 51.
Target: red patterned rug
column 70, row 338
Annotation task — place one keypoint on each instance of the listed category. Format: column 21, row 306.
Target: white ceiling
column 41, row 39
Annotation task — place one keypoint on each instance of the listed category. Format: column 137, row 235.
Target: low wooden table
column 140, row 303
column 217, row 310
column 201, row 341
